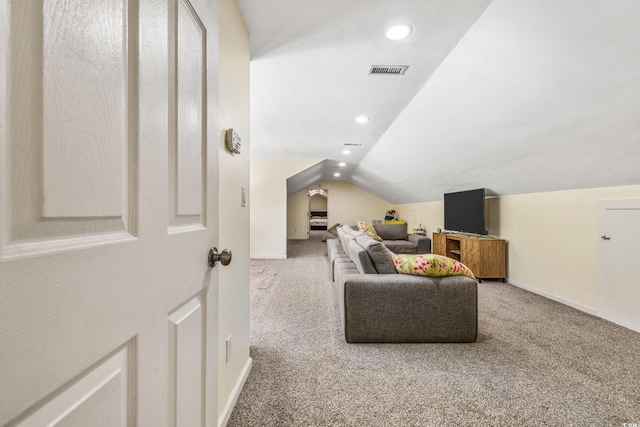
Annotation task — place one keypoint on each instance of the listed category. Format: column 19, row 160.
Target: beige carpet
column 536, row 363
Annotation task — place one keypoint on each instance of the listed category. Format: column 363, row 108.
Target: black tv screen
column 464, row 211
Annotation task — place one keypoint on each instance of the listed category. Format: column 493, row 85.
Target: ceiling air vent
column 398, row 70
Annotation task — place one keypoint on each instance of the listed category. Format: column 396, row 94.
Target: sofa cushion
column 341, row 233
column 361, row 259
column 348, row 228
column 430, row 265
column 423, row 243
column 400, row 246
column 346, row 233
column 380, row 256
column 367, row 228
column 391, row 231
column 346, row 239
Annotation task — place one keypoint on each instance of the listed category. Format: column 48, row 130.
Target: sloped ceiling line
column 518, row 96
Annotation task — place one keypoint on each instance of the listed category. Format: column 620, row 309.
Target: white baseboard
column 556, row 298
column 268, row 257
column 223, row 419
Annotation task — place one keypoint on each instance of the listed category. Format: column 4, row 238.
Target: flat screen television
column 464, row 211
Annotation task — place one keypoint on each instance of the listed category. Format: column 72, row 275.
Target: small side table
column 420, row 231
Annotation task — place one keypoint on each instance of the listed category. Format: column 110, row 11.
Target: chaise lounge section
column 397, row 240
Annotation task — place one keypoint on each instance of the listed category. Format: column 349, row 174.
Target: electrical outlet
column 228, row 349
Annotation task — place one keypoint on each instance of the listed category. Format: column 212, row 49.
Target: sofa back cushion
column 391, row 231
column 347, row 237
column 347, row 228
column 341, row 234
column 360, row 258
column 380, row 256
column 345, row 233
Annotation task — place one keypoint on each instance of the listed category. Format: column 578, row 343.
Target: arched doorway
column 317, row 209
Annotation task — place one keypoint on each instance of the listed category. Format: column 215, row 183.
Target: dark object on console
column 464, row 211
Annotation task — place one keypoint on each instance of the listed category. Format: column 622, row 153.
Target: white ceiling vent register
column 398, row 70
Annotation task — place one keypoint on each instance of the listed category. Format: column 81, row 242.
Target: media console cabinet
column 485, row 256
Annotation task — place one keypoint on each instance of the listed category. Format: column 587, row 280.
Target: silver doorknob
column 224, row 257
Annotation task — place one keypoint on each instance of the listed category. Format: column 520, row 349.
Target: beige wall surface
column 429, row 214
column 317, row 203
column 552, row 241
column 233, row 310
column 268, row 204
column 347, row 203
column 551, row 238
column 297, row 216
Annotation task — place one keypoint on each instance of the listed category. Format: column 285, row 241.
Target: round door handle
column 224, row 257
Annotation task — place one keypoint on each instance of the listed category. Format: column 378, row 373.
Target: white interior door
column 618, row 255
column 108, row 308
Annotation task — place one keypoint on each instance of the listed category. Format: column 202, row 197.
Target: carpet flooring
column 536, row 362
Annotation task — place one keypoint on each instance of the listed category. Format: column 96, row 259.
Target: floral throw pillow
column 368, row 229
column 430, row 265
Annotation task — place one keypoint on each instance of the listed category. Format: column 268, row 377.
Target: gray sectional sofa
column 379, row 305
column 397, row 240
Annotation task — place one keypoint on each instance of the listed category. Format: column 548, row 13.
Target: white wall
column 268, row 204
column 551, row 239
column 233, row 311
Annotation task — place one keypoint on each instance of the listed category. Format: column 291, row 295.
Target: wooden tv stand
column 485, row 256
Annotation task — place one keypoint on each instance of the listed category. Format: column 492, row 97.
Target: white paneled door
column 618, row 255
column 108, row 197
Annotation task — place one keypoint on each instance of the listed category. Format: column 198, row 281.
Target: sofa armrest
column 423, row 242
column 405, row 308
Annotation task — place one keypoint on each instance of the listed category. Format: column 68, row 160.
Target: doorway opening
column 317, row 209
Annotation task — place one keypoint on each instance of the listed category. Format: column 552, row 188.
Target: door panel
column 69, row 140
column 187, row 116
column 618, row 284
column 103, row 390
column 186, row 369
column 104, row 296
column 84, row 147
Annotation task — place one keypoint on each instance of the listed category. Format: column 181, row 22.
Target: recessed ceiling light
column 337, row 174
column 398, row 32
column 342, row 164
column 346, row 152
column 362, row 119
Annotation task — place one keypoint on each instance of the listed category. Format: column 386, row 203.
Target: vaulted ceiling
column 516, row 96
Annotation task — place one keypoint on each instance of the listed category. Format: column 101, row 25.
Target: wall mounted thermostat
column 232, row 141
